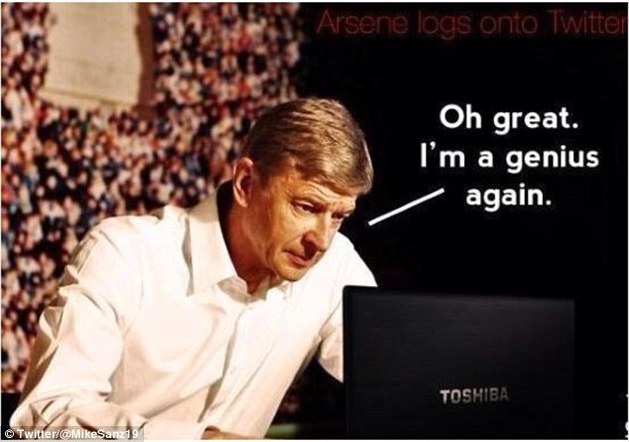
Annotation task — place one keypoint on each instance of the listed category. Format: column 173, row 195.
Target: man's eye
column 341, row 216
column 308, row 208
column 338, row 219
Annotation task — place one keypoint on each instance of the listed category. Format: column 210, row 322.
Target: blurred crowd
column 217, row 66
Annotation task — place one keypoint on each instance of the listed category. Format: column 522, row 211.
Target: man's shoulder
column 160, row 225
column 341, row 247
column 341, row 256
column 340, row 266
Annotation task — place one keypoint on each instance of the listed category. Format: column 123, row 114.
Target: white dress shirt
column 153, row 329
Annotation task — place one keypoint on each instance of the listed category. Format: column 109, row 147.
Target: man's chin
column 293, row 275
column 291, row 272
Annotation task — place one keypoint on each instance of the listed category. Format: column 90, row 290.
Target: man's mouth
column 301, row 260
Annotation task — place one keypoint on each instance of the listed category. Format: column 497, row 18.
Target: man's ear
column 243, row 181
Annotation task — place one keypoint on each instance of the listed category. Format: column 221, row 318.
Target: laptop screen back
column 421, row 365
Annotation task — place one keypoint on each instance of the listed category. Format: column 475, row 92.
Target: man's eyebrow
column 348, row 209
column 308, row 199
column 345, row 213
column 320, row 204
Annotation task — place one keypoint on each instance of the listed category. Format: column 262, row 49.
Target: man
column 185, row 322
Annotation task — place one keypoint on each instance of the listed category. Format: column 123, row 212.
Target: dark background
column 575, row 248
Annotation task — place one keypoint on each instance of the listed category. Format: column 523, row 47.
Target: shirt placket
column 248, row 346
column 234, row 299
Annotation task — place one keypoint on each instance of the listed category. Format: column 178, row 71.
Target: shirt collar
column 210, row 260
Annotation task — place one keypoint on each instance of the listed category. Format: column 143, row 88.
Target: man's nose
column 321, row 234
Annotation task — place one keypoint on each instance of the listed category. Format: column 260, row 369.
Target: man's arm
column 80, row 344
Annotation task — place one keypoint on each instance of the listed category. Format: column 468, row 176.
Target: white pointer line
column 401, row 209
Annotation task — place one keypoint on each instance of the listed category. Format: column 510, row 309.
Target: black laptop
column 457, row 366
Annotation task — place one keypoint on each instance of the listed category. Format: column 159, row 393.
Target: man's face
column 292, row 220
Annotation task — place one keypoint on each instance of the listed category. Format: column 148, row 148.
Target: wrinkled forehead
column 290, row 170
column 294, row 183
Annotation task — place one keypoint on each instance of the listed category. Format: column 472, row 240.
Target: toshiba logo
column 474, row 395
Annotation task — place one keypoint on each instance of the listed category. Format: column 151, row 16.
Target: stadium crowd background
column 63, row 170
